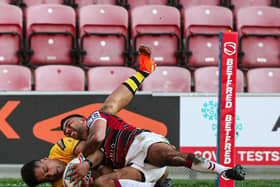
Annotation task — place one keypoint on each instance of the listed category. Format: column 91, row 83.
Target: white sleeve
column 93, row 117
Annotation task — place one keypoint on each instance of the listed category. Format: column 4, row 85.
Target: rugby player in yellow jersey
column 51, row 169
column 64, row 150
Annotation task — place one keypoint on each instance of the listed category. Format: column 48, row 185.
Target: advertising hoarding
column 30, row 123
column 257, row 129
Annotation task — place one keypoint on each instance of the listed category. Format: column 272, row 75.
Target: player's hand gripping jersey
column 119, row 136
column 63, row 150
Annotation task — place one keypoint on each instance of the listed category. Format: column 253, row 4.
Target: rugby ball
column 67, row 171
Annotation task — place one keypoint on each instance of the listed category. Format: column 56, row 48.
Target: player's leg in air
column 121, row 96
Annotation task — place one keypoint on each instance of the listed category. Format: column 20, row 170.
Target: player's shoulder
column 65, row 142
column 96, row 115
column 64, row 149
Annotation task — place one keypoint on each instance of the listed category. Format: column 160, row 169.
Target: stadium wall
column 30, row 125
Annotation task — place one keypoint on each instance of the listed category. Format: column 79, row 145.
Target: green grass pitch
column 176, row 183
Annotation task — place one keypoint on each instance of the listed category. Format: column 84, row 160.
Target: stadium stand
column 168, row 79
column 263, row 80
column 104, row 35
column 107, row 78
column 59, row 78
column 206, row 79
column 104, row 39
column 15, row 78
column 50, row 31
column 202, row 25
column 157, row 26
column 10, row 34
column 259, row 36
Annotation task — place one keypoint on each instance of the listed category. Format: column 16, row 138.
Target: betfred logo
column 230, row 48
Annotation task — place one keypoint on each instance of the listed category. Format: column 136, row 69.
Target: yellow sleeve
column 64, row 149
column 58, row 183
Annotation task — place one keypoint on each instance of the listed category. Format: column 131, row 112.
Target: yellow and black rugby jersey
column 58, row 183
column 64, row 149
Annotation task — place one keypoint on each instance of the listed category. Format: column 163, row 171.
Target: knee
column 164, row 158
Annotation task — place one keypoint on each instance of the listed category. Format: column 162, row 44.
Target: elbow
column 98, row 139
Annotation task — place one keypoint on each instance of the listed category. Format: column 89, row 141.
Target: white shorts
column 137, row 153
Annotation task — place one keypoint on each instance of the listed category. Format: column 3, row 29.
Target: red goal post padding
column 226, row 103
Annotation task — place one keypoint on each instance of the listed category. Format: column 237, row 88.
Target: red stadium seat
column 206, row 79
column 184, row 4
column 15, row 78
column 104, row 34
column 202, row 27
column 135, row 3
column 157, row 26
column 191, row 3
column 11, row 2
column 50, row 30
column 5, row 1
column 238, row 4
column 10, row 34
column 259, row 32
column 263, row 80
column 59, row 78
column 168, row 79
column 107, row 78
column 28, row 3
column 82, row 3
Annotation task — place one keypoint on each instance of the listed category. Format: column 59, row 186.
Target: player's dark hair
column 68, row 117
column 28, row 173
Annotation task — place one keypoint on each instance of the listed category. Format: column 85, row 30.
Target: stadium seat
column 5, row 1
column 104, row 35
column 59, row 78
column 28, row 3
column 50, row 30
column 15, row 78
column 206, row 79
column 107, row 78
column 157, row 26
column 10, row 34
column 190, row 3
column 168, row 79
column 263, row 80
column 184, row 4
column 202, row 25
column 259, row 33
column 236, row 5
column 82, row 3
column 130, row 4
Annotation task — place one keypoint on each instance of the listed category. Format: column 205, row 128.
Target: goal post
column 226, row 104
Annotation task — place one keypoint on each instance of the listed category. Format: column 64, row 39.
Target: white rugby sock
column 132, row 183
column 208, row 166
